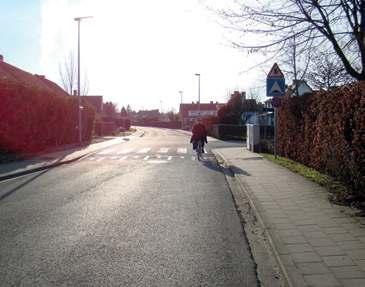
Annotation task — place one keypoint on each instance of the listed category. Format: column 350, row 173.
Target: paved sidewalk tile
column 322, row 243
column 353, row 282
column 348, row 272
column 322, row 280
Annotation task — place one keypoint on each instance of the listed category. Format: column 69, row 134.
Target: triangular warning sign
column 275, row 89
column 275, row 72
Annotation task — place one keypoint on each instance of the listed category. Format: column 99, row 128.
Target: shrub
column 32, row 119
column 326, row 131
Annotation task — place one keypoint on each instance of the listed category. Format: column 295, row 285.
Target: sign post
column 275, row 87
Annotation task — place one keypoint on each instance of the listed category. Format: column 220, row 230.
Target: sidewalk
column 44, row 161
column 315, row 242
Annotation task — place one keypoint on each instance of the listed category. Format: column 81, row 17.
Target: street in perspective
column 182, row 143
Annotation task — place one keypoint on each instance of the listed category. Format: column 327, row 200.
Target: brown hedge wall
column 32, row 120
column 326, row 131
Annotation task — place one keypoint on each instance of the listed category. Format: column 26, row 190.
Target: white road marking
column 124, row 151
column 123, row 158
column 144, row 150
column 114, row 157
column 169, row 158
column 182, row 157
column 146, row 157
column 100, row 159
column 107, row 151
column 163, row 150
column 193, row 158
column 136, row 156
column 158, row 156
column 157, row 161
column 91, row 158
column 182, row 150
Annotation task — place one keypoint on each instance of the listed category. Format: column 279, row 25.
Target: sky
column 139, row 52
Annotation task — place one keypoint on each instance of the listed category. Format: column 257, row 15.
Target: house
column 16, row 75
column 96, row 102
column 190, row 112
column 300, row 85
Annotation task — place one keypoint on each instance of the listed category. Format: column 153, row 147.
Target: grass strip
column 324, row 180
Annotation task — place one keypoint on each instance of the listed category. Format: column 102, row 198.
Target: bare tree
column 336, row 26
column 326, row 72
column 68, row 74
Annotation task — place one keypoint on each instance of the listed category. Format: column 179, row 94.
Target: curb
column 11, row 175
column 36, row 169
column 244, row 189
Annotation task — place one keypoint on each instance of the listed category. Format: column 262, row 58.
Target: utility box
column 253, row 137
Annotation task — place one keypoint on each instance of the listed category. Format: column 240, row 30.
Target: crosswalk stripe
column 182, row 150
column 124, row 151
column 123, row 158
column 163, row 150
column 91, row 158
column 144, row 150
column 107, row 151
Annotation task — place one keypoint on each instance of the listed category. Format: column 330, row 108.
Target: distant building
column 190, row 112
column 300, row 85
column 96, row 102
column 16, row 75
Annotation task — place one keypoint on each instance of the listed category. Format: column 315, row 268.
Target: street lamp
column 181, row 97
column 198, row 75
column 78, row 19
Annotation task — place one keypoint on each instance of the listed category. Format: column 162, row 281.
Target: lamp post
column 198, row 75
column 181, row 96
column 78, row 19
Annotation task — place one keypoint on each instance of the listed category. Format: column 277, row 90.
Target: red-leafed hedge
column 32, row 120
column 326, row 131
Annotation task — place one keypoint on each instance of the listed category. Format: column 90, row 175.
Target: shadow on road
column 238, row 170
column 211, row 165
column 9, row 192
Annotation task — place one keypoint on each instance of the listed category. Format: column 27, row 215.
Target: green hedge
column 32, row 120
column 326, row 131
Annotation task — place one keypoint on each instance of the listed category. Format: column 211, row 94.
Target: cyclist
column 199, row 133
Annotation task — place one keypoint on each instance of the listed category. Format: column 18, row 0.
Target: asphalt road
column 140, row 213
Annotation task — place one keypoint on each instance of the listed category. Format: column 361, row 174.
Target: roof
column 17, row 75
column 95, row 101
column 185, row 108
column 302, row 86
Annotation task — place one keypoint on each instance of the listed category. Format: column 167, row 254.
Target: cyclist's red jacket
column 199, row 132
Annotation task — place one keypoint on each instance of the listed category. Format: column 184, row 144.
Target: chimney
column 211, row 102
column 40, row 76
column 1, row 58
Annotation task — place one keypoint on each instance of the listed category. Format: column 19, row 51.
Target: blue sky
column 139, row 52
column 20, row 30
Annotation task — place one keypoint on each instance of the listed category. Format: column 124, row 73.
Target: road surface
column 140, row 213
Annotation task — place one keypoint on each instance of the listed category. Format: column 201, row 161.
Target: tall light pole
column 181, row 96
column 78, row 19
column 198, row 75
